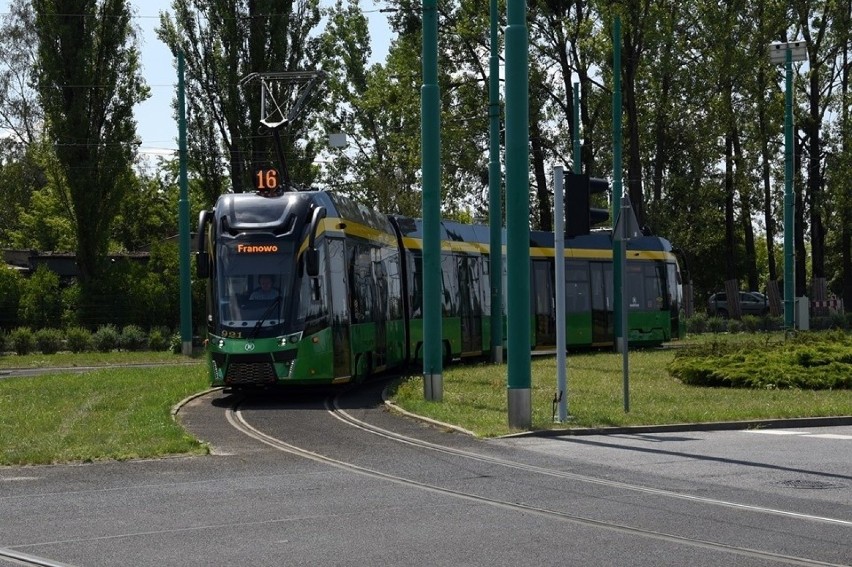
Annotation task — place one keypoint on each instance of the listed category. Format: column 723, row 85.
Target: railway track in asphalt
column 13, row 557
column 236, row 418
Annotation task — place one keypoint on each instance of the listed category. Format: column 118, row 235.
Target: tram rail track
column 236, row 419
column 18, row 558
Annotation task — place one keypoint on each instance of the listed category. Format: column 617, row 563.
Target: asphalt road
column 335, row 479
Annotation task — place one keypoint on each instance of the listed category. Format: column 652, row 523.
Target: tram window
column 450, row 293
column 577, row 294
column 337, row 282
column 416, row 281
column 644, row 289
column 313, row 304
column 394, row 286
column 363, row 285
column 542, row 290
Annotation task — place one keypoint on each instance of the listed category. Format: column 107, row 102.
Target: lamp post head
column 778, row 51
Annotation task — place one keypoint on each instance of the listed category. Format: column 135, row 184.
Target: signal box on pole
column 580, row 216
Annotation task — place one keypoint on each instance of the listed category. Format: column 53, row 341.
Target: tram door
column 544, row 304
column 340, row 315
column 603, row 330
column 470, row 307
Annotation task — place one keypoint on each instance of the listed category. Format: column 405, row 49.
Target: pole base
column 497, row 355
column 433, row 387
column 520, row 408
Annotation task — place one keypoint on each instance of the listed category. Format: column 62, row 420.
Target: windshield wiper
column 263, row 317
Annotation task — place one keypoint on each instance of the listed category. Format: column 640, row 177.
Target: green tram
column 309, row 287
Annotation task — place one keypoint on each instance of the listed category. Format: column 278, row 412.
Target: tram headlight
column 221, row 343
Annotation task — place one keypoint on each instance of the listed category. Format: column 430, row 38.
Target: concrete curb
column 636, row 429
column 681, row 427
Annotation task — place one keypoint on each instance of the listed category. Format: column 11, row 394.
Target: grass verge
column 115, row 413
column 84, row 359
column 475, row 396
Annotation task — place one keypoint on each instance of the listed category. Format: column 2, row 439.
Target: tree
column 88, row 82
column 20, row 113
column 223, row 42
column 20, row 117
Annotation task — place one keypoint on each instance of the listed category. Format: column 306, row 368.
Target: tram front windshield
column 254, row 287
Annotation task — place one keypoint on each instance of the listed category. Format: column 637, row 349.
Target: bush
column 176, row 344
column 41, row 299
column 132, row 338
column 11, row 284
column 157, row 340
column 752, row 323
column 22, row 340
column 771, row 323
column 697, row 324
column 48, row 341
column 78, row 339
column 105, row 338
column 716, row 325
column 838, row 321
column 735, row 326
column 815, row 361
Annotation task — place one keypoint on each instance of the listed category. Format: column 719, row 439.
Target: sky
column 156, row 125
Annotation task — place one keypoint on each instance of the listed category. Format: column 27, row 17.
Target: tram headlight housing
column 291, row 339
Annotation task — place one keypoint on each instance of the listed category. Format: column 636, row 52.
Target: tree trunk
column 815, row 181
column 730, row 238
column 545, row 208
column 799, row 215
column 748, row 229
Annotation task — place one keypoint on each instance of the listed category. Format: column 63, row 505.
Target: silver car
column 751, row 303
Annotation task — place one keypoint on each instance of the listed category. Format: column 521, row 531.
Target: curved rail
column 237, row 420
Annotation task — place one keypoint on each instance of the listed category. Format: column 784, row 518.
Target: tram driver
column 265, row 291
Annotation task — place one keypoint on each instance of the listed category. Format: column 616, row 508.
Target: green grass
column 76, row 360
column 115, row 413
column 124, row 412
column 475, row 396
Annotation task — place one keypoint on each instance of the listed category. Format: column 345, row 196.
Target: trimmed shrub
column 105, row 338
column 716, row 325
column 22, row 340
column 48, row 341
column 78, row 339
column 132, row 338
column 771, row 323
column 809, row 360
column 697, row 324
column 158, row 340
column 752, row 323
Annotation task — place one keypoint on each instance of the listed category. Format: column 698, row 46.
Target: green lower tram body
column 313, row 359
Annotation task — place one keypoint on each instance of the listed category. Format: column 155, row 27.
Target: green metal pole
column 789, row 203
column 517, row 216
column 183, row 221
column 617, row 245
column 430, row 136
column 495, row 209
column 578, row 156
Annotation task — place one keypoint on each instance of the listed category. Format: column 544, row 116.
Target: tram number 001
column 266, row 179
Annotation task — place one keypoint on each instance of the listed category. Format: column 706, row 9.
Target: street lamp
column 786, row 53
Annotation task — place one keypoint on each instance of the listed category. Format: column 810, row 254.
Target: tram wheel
column 362, row 367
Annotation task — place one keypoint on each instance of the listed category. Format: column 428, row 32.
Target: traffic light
column 580, row 216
